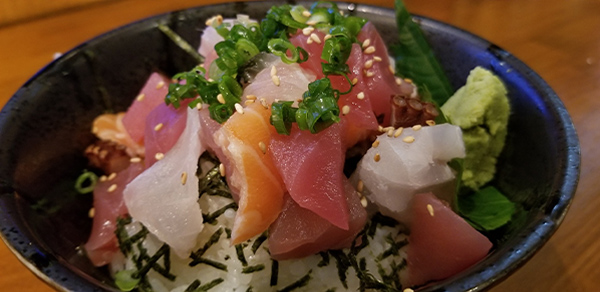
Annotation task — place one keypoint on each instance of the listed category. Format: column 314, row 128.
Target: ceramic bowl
column 45, row 127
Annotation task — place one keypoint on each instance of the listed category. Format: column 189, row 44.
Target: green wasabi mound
column 481, row 110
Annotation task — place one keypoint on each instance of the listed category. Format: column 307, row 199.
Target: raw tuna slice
column 314, row 50
column 164, row 198
column 298, row 232
column 152, row 94
column 164, row 125
column 311, row 166
column 441, row 243
column 108, row 205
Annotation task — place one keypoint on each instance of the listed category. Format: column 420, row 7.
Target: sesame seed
column 377, row 157
column 366, row 43
column 430, row 122
column 309, row 41
column 408, row 290
column 250, row 101
column 375, row 144
column 112, row 188
column 391, row 69
column 276, row 100
column 135, row 160
column 360, row 186
column 159, row 156
column 354, row 81
column 308, row 30
column 92, row 212
column 370, row 50
column 363, row 202
column 369, row 73
column 160, row 84
column 315, row 38
column 112, row 176
column 398, row 80
column 408, row 80
column 398, row 132
column 326, row 37
column 263, row 102
column 222, row 169
column 409, row 139
column 345, row 109
column 251, row 97
column 262, row 147
column 220, row 98
column 306, row 13
column 210, row 80
column 273, row 71
column 369, row 64
column 387, row 129
column 183, row 178
column 103, row 178
column 158, row 127
column 276, row 80
column 417, row 127
column 380, row 128
column 312, row 22
column 377, row 59
column 342, row 12
column 239, row 108
column 140, row 97
column 360, row 95
column 430, row 209
column 390, row 132
column 199, row 106
column 215, row 20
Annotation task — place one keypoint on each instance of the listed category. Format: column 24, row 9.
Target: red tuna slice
column 299, row 232
column 314, row 50
column 108, row 205
column 311, row 167
column 164, row 125
column 151, row 95
column 379, row 81
column 441, row 243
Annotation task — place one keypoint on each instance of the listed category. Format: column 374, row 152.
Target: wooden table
column 558, row 39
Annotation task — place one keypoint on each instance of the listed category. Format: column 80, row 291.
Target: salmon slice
column 109, row 127
column 244, row 139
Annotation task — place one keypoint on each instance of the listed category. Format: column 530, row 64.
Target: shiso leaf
column 486, row 209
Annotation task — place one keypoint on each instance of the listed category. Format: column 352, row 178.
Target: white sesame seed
column 183, row 178
column 312, row 22
column 214, row 21
column 360, row 95
column 222, row 169
column 417, row 127
column 354, row 81
column 308, row 30
column 326, row 37
column 345, row 110
column 430, row 210
column 112, row 176
column 409, row 139
column 262, row 147
column 408, row 290
column 380, row 128
column 309, row 41
column 408, row 80
column 103, row 178
column 377, row 157
column 140, row 97
column 369, row 73
column 273, row 71
column 160, row 84
column 430, row 122
column 276, row 80
column 391, row 69
column 249, row 101
column 306, row 13
column 370, row 50
column 158, row 127
column 220, row 98
column 112, row 188
column 390, row 132
column 398, row 80
column 363, row 202
column 369, row 64
column 377, row 59
column 251, row 97
column 92, row 212
column 360, row 185
column 159, row 156
column 366, row 43
column 263, row 102
column 398, row 132
column 199, row 106
column 210, row 80
column 135, row 160
column 239, row 108
column 315, row 38
column 375, row 144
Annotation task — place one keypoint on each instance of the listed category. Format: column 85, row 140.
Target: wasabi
column 481, row 109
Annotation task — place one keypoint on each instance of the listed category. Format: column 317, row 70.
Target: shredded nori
column 193, row 286
column 201, row 260
column 259, row 240
column 342, row 262
column 214, row 238
column 394, row 247
column 274, row 273
column 210, row 285
column 252, row 269
column 298, row 284
column 239, row 249
column 212, row 218
column 325, row 259
column 152, row 263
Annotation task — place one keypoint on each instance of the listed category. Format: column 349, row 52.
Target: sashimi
column 441, row 243
column 405, row 162
column 244, row 139
column 299, row 232
column 152, row 94
column 311, row 166
column 164, row 198
column 164, row 125
column 108, row 205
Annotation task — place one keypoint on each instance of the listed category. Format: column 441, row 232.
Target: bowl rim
column 545, row 225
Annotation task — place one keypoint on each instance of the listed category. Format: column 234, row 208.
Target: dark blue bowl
column 46, row 126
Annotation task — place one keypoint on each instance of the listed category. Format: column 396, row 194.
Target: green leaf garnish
column 486, row 209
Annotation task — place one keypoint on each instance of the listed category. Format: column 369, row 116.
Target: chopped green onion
column 125, row 281
column 86, row 182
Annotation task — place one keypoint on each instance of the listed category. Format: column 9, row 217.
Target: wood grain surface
column 559, row 39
